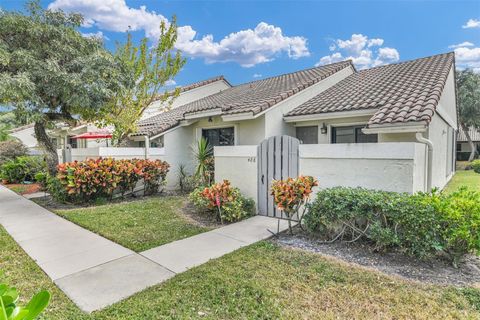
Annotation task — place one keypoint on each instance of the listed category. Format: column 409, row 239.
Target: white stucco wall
column 440, row 132
column 382, row 166
column 238, row 164
column 274, row 123
column 187, row 97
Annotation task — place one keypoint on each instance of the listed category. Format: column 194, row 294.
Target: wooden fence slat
column 270, row 174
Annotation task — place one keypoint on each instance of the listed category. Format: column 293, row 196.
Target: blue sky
column 249, row 40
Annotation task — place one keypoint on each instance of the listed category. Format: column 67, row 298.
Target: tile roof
column 402, row 92
column 255, row 97
column 474, row 134
column 201, row 83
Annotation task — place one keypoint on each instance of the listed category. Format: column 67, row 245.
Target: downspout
column 147, row 146
column 428, row 172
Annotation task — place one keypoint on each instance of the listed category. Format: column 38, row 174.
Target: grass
column 138, row 225
column 464, row 178
column 262, row 281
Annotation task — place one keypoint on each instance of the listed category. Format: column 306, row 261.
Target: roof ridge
column 408, row 61
column 289, row 73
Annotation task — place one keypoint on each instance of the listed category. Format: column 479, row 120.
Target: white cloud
column 170, row 83
column 246, row 47
column 472, row 23
column 98, row 34
column 463, row 44
column 468, row 58
column 257, row 75
column 363, row 52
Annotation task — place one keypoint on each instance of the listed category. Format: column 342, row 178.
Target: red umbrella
column 94, row 135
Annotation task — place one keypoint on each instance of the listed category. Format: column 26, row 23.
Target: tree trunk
column 470, row 142
column 50, row 149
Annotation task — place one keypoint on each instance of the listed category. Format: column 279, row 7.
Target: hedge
column 423, row 225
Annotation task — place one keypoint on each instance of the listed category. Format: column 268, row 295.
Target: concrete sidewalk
column 96, row 272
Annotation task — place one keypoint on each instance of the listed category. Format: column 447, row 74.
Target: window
column 352, row 135
column 459, row 147
column 307, row 135
column 220, row 136
column 72, row 142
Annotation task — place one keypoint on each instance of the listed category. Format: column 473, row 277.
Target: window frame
column 333, row 131
column 219, row 128
column 303, row 127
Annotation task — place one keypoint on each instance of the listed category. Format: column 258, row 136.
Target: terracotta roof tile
column 254, row 97
column 402, row 92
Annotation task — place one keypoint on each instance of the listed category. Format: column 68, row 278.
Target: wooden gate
column 277, row 159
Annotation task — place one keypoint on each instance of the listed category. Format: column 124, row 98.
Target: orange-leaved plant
column 218, row 195
column 292, row 194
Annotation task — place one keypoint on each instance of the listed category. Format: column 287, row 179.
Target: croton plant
column 86, row 180
column 291, row 194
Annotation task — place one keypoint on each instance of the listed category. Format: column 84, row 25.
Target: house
column 463, row 147
column 87, row 135
column 26, row 135
column 390, row 127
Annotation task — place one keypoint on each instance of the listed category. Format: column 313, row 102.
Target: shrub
column 154, row 174
column 22, row 169
column 291, row 194
column 56, row 189
column 41, row 178
column 460, row 214
column 422, row 225
column 475, row 164
column 11, row 149
column 223, row 201
column 99, row 178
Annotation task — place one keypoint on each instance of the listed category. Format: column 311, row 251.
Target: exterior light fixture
column 323, row 129
column 210, row 119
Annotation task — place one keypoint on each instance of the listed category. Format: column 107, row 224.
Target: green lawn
column 138, row 225
column 464, row 178
column 261, row 281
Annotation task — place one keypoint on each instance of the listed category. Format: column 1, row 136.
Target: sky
column 251, row 40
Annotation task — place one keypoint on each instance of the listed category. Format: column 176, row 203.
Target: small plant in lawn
column 9, row 310
column 226, row 202
column 290, row 195
column 475, row 164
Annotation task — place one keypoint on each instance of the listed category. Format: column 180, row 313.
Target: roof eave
column 406, row 127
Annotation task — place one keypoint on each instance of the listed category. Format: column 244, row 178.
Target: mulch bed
column 392, row 263
column 26, row 188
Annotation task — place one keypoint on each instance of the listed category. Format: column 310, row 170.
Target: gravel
column 394, row 263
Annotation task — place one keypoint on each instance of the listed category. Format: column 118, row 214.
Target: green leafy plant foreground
column 422, row 225
column 23, row 168
column 9, row 310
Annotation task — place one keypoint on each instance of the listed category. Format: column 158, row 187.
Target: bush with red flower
column 291, row 195
column 224, row 201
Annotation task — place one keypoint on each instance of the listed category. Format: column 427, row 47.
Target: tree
column 468, row 95
column 149, row 69
column 50, row 73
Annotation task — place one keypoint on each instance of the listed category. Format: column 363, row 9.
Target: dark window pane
column 308, row 135
column 220, row 136
column 352, row 135
column 365, row 138
column 343, row 135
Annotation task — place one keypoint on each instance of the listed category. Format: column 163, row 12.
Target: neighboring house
column 84, row 135
column 398, row 119
column 463, row 147
column 26, row 135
